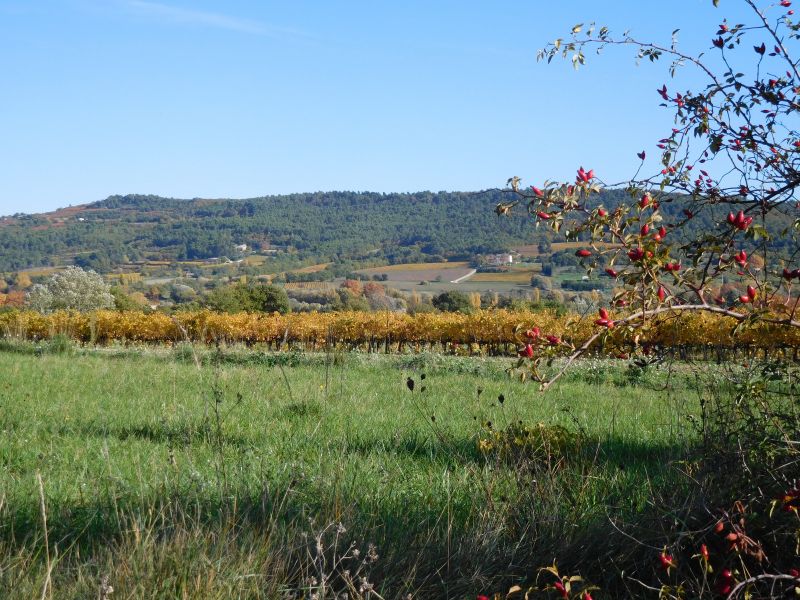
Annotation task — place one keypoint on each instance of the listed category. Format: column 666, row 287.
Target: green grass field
column 245, row 475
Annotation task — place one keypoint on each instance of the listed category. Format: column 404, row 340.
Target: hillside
column 329, row 227
column 332, row 227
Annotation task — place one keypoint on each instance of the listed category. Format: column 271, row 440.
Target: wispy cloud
column 186, row 16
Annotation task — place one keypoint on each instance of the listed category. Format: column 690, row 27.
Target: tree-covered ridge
column 335, row 226
column 331, row 226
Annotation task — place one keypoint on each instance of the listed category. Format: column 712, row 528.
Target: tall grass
column 202, row 474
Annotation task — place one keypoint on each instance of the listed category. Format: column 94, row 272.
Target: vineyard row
column 497, row 331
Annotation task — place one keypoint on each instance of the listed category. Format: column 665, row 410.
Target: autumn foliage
column 480, row 331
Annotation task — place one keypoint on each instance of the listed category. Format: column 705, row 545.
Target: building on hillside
column 498, row 259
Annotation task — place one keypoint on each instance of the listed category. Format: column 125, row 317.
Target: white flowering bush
column 71, row 289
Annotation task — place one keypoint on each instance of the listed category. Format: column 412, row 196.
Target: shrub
column 71, row 289
column 453, row 301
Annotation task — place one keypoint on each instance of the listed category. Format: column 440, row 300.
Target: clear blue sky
column 246, row 98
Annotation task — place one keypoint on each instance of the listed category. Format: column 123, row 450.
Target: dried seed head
column 372, row 552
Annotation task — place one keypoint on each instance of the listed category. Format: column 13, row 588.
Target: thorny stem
column 653, row 313
column 767, row 577
column 772, row 32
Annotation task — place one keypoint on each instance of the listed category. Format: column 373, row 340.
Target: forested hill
column 335, row 226
column 330, row 226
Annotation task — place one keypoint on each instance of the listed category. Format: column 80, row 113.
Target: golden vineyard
column 493, row 331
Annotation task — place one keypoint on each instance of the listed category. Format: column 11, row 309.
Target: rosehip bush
column 732, row 161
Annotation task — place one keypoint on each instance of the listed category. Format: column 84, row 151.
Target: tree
column 353, row 285
column 544, row 247
column 22, row 281
column 372, row 289
column 540, row 282
column 13, row 299
column 732, row 161
column 182, row 294
column 269, row 298
column 453, row 301
column 71, row 289
column 122, row 301
column 249, row 298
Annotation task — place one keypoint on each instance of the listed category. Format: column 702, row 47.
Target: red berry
column 723, row 587
column 583, row 253
column 636, row 254
column 561, row 589
column 704, row 551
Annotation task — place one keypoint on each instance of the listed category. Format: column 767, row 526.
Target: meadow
column 193, row 472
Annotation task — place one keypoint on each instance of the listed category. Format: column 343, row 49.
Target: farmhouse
column 498, row 259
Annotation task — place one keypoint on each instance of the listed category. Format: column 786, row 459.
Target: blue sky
column 242, row 99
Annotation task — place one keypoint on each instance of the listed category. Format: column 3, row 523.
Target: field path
column 463, row 277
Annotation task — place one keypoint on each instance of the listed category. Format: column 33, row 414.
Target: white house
column 499, row 259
